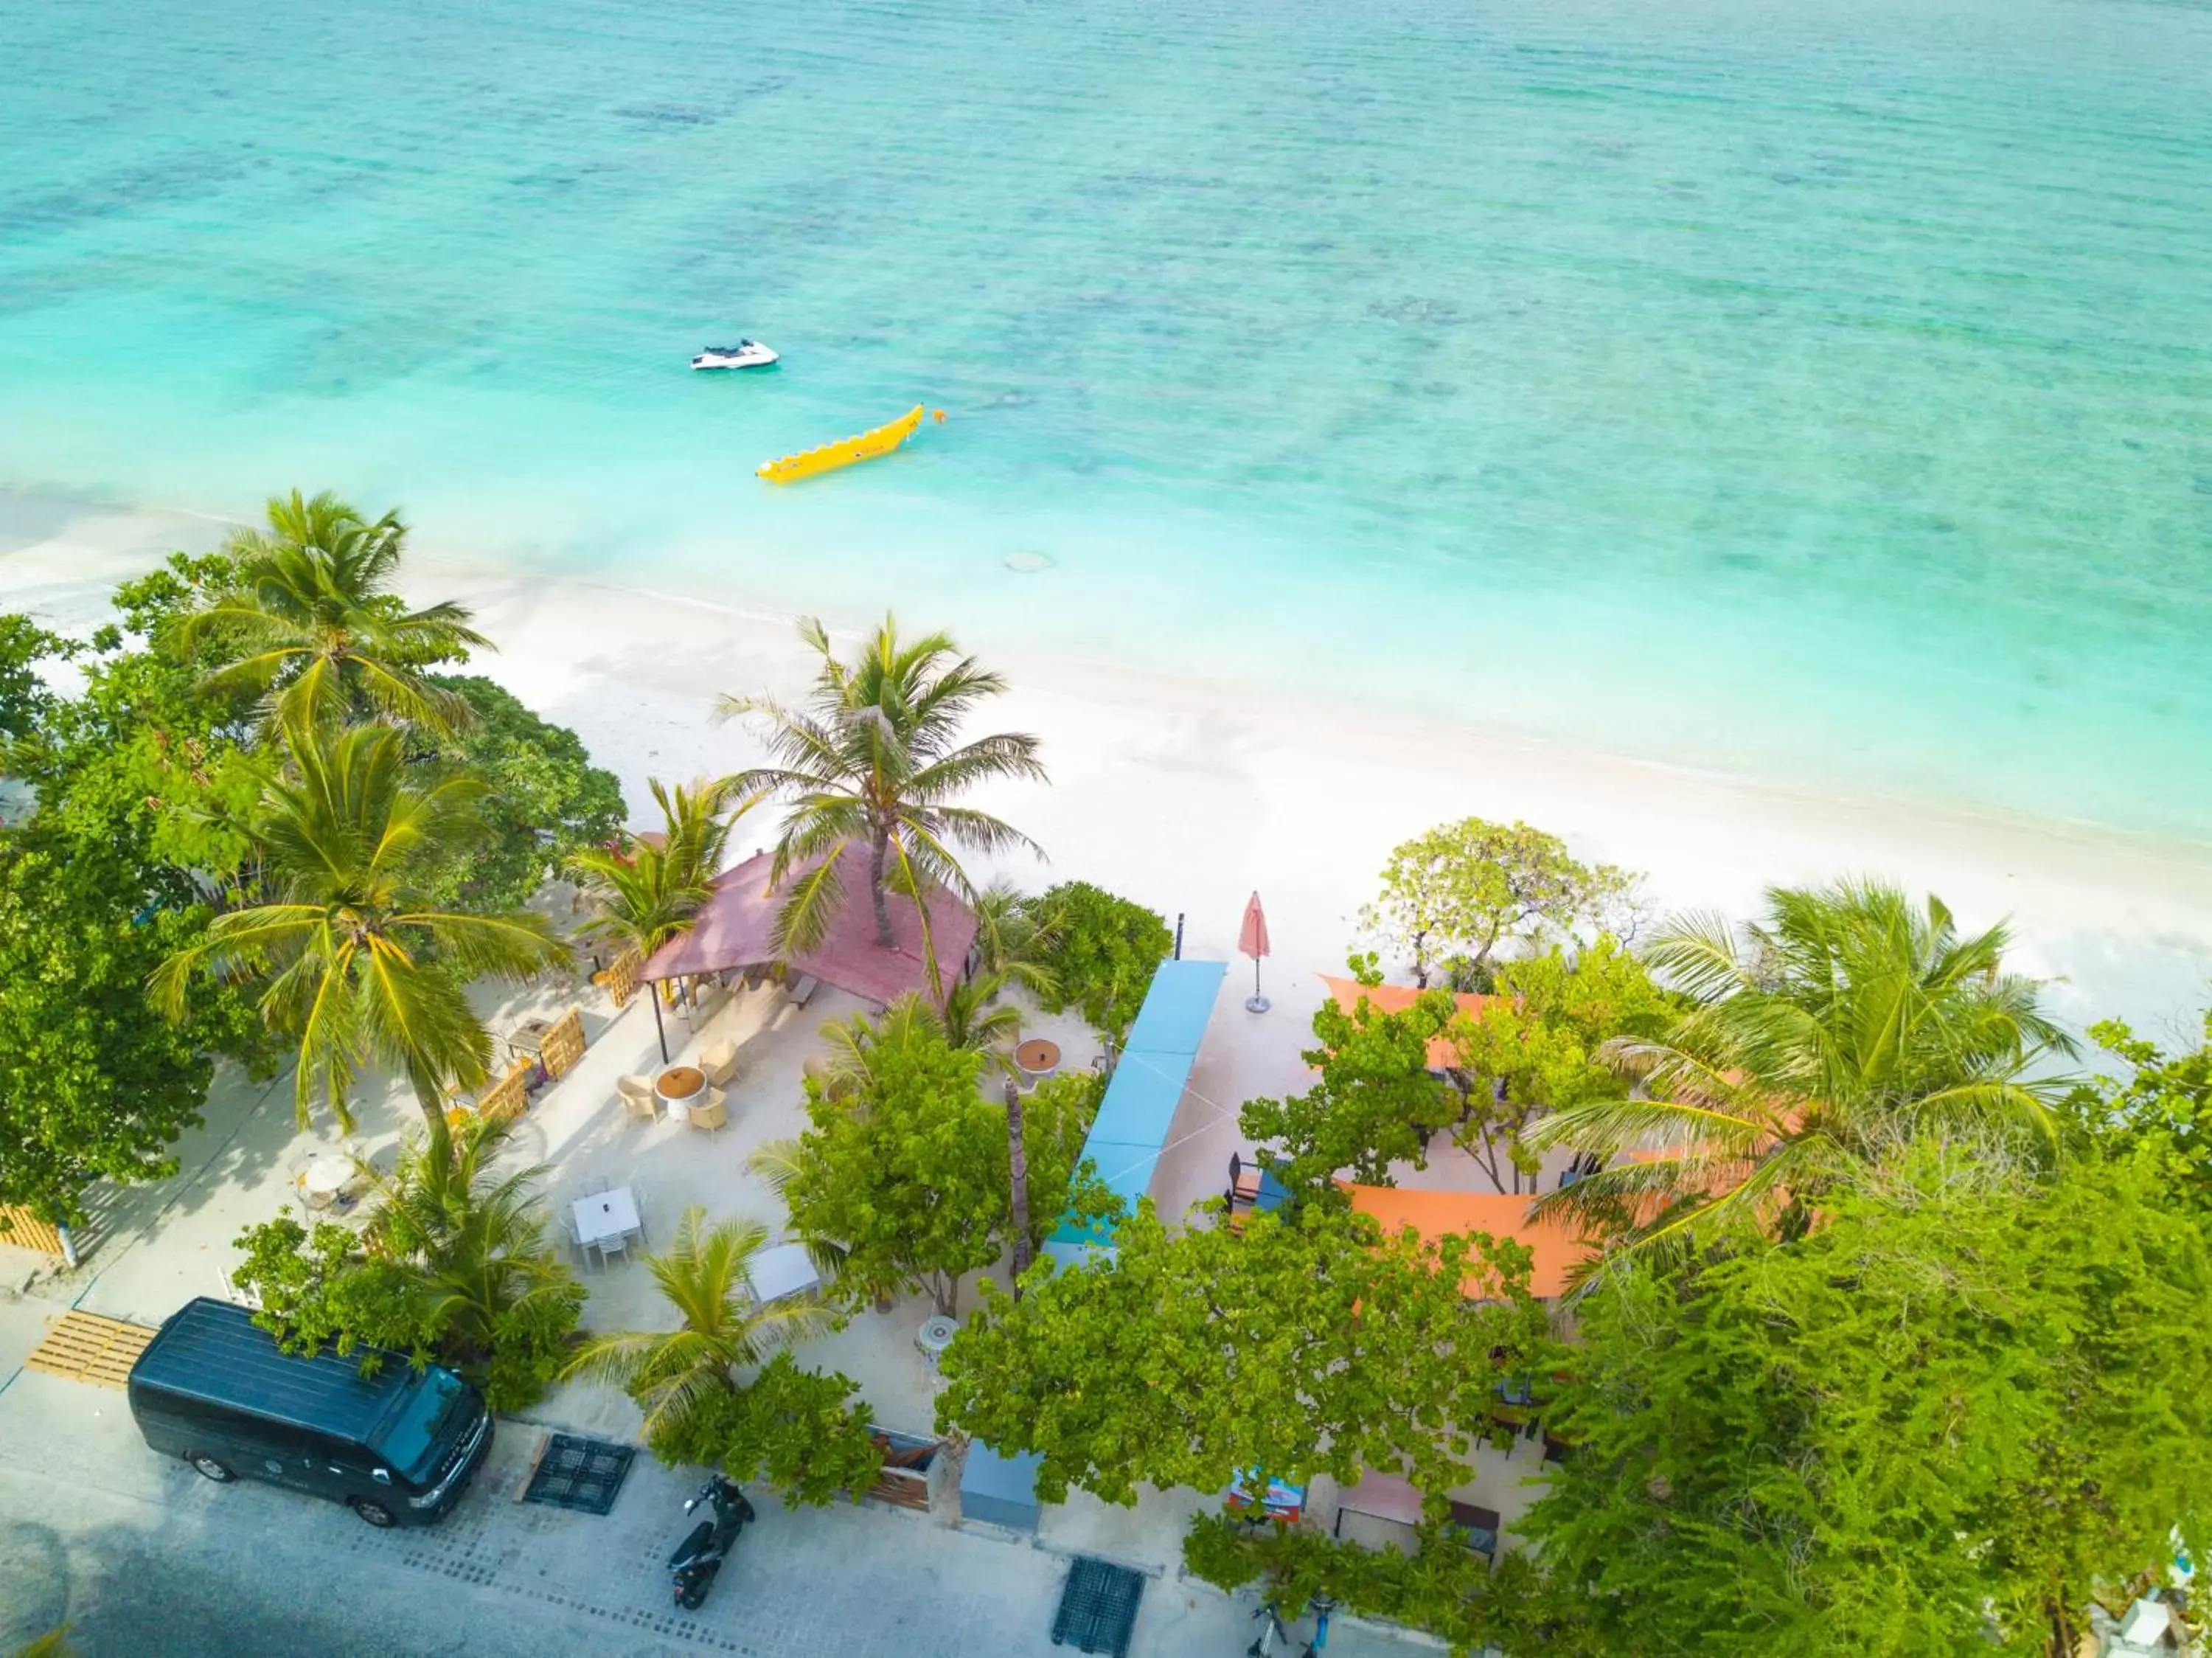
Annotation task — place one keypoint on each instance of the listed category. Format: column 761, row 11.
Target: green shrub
column 1442, row 1587
column 796, row 1431
column 1101, row 952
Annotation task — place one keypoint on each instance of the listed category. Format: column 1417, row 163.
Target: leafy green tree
column 1377, row 1102
column 902, row 1182
column 355, row 963
column 310, row 620
column 452, row 1264
column 801, row 1432
column 1846, row 1023
column 143, row 760
column 1533, row 1047
column 23, row 695
column 2160, row 1115
column 874, row 755
column 644, row 892
column 683, row 1379
column 318, row 1288
column 1942, row 1422
column 1099, row 953
column 1311, row 1345
column 1466, row 889
column 543, row 800
column 97, row 1084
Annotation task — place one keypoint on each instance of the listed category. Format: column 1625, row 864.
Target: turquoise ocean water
column 1819, row 390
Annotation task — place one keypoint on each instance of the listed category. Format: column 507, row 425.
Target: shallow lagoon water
column 1818, row 392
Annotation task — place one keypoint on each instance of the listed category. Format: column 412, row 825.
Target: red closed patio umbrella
column 1252, row 939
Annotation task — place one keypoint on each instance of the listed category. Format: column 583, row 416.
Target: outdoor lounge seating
column 711, row 1115
column 638, row 1098
column 720, row 1063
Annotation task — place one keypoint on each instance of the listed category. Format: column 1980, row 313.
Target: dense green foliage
column 1844, row 1023
column 1375, row 1104
column 1099, row 952
column 143, row 760
column 108, row 876
column 2159, row 1116
column 1963, row 1390
column 543, row 800
column 1454, row 895
column 684, row 1379
column 874, row 757
column 23, row 695
column 1441, row 1586
column 1297, row 1346
column 96, row 1082
column 801, row 1432
column 1533, row 1047
column 904, row 1179
column 452, row 1264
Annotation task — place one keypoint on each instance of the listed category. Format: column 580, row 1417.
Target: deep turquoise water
column 1819, row 390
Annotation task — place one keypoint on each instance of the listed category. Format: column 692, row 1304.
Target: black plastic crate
column 1098, row 1606
column 582, row 1474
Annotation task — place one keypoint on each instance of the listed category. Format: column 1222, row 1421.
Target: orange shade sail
column 1396, row 998
column 1557, row 1247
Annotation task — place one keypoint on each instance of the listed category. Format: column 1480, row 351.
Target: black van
column 396, row 1448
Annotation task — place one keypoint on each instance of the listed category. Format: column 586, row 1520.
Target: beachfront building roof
column 1443, row 1052
column 736, row 927
column 1557, row 1244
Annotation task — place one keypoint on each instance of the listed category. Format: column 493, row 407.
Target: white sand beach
column 1187, row 793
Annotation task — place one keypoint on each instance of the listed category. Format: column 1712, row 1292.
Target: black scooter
column 700, row 1556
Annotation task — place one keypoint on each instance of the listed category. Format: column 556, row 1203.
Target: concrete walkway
column 137, row 1550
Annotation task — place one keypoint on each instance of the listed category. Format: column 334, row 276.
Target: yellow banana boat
column 846, row 451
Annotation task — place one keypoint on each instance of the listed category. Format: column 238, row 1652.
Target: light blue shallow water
column 1818, row 390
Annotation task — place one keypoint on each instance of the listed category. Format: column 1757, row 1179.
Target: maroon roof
column 733, row 927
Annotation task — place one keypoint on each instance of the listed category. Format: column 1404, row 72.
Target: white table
column 784, row 1269
column 325, row 1177
column 606, row 1214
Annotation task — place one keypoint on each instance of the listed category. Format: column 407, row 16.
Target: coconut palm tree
column 644, row 893
column 706, row 1276
column 874, row 755
column 1847, row 1021
column 314, row 621
column 1015, row 935
column 355, row 963
column 476, row 1236
column 973, row 1017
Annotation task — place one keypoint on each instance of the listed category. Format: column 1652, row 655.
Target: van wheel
column 214, row 1469
column 376, row 1513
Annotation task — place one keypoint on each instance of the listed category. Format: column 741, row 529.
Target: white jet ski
column 746, row 354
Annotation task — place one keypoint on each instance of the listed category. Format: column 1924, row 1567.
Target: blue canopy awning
column 1134, row 1120
column 1177, row 1009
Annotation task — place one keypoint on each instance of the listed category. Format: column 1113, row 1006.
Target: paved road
column 143, row 1556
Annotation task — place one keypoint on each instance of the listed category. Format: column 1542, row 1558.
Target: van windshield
column 415, row 1427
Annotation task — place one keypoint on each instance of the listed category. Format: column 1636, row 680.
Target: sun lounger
column 802, row 991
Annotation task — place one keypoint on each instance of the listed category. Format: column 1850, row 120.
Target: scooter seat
column 694, row 1545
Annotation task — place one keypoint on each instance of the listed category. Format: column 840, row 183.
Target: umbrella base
column 1257, row 1004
